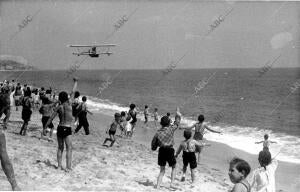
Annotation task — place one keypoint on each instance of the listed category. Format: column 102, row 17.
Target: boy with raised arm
column 164, row 139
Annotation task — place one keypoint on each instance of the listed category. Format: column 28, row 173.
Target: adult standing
column 64, row 129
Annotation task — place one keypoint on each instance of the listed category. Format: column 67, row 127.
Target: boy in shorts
column 164, row 139
column 188, row 146
column 112, row 130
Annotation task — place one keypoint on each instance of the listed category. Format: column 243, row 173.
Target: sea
column 244, row 104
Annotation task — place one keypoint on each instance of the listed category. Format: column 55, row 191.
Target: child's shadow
column 146, row 183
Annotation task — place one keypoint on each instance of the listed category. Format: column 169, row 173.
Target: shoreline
column 131, row 166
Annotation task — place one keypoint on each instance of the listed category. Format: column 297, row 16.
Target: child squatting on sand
column 238, row 171
column 188, row 146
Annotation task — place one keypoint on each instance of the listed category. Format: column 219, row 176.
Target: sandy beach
column 128, row 166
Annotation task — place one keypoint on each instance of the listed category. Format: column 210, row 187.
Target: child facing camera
column 238, row 171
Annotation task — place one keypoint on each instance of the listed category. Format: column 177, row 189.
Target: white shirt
column 264, row 179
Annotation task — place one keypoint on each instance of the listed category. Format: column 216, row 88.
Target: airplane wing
column 102, row 45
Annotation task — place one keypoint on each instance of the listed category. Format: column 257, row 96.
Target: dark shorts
column 189, row 158
column 26, row 114
column 166, row 154
column 63, row 131
column 198, row 136
column 110, row 132
column 45, row 120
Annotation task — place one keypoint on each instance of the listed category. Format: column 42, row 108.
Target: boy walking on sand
column 164, row 139
column 188, row 146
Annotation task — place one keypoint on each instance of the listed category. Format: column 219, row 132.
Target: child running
column 112, row 130
column 266, row 142
column 264, row 176
column 27, row 104
column 188, row 146
column 200, row 127
column 238, row 171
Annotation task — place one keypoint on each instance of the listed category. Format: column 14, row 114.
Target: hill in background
column 13, row 65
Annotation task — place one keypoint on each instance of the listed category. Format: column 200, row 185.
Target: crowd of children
column 68, row 108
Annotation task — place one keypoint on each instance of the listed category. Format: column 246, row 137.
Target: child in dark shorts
column 112, row 130
column 46, row 110
column 164, row 139
column 188, row 146
column 27, row 104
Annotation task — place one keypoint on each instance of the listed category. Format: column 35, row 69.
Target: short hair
column 27, row 93
column 117, row 115
column 201, row 118
column 266, row 136
column 132, row 106
column 48, row 91
column 63, row 96
column 76, row 94
column 146, row 106
column 155, row 109
column 123, row 113
column 187, row 134
column 42, row 88
column 83, row 98
column 264, row 158
column 165, row 121
column 241, row 165
column 168, row 114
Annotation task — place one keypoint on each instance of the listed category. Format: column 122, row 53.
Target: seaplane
column 92, row 50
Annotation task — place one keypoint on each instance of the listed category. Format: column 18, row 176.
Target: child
column 266, row 142
column 82, row 118
column 146, row 114
column 17, row 96
column 155, row 117
column 27, row 104
column 177, row 117
column 189, row 147
column 264, row 177
column 112, row 130
column 132, row 116
column 164, row 139
column 238, row 171
column 200, row 127
column 123, row 123
column 46, row 110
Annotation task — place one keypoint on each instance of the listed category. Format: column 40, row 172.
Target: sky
column 156, row 33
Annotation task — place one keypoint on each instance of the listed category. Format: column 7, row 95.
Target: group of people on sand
column 69, row 110
column 64, row 105
column 263, row 178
